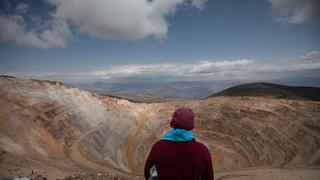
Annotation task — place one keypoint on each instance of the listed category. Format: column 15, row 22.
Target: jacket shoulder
column 202, row 146
column 157, row 144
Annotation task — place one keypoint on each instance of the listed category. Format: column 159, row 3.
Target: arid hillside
column 50, row 130
column 272, row 90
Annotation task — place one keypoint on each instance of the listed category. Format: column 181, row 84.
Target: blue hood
column 178, row 135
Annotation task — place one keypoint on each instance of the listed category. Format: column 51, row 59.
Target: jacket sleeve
column 149, row 162
column 209, row 174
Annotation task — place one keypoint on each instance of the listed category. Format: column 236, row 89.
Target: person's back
column 178, row 155
column 180, row 160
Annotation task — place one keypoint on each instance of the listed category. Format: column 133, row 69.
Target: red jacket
column 180, row 161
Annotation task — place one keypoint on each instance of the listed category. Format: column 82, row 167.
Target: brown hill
column 272, row 90
column 52, row 130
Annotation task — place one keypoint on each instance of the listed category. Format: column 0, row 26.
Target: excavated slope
column 77, row 131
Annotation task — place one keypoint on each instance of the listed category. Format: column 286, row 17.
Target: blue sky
column 112, row 40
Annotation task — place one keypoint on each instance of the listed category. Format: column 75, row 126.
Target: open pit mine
column 50, row 130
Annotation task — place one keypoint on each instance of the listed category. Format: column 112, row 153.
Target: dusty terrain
column 50, row 130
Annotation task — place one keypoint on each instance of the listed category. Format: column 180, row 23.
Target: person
column 177, row 155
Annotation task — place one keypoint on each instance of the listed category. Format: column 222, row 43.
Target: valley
column 57, row 131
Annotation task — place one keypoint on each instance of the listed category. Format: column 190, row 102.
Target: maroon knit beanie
column 183, row 118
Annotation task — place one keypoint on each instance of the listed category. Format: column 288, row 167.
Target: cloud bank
column 117, row 19
column 295, row 11
column 304, row 66
column 108, row 19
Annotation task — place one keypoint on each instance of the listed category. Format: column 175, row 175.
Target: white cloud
column 22, row 8
column 200, row 4
column 140, row 70
column 114, row 19
column 109, row 19
column 312, row 55
column 295, row 11
column 241, row 69
column 203, row 70
column 210, row 67
column 52, row 33
column 284, row 67
column 216, row 70
column 305, row 63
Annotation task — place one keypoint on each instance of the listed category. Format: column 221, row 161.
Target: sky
column 160, row 40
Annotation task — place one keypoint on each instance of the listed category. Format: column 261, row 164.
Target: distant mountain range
column 153, row 92
column 272, row 90
column 159, row 92
column 171, row 91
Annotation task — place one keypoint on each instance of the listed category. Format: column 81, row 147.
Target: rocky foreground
column 51, row 131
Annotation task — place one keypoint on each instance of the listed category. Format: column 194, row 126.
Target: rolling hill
column 272, row 90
